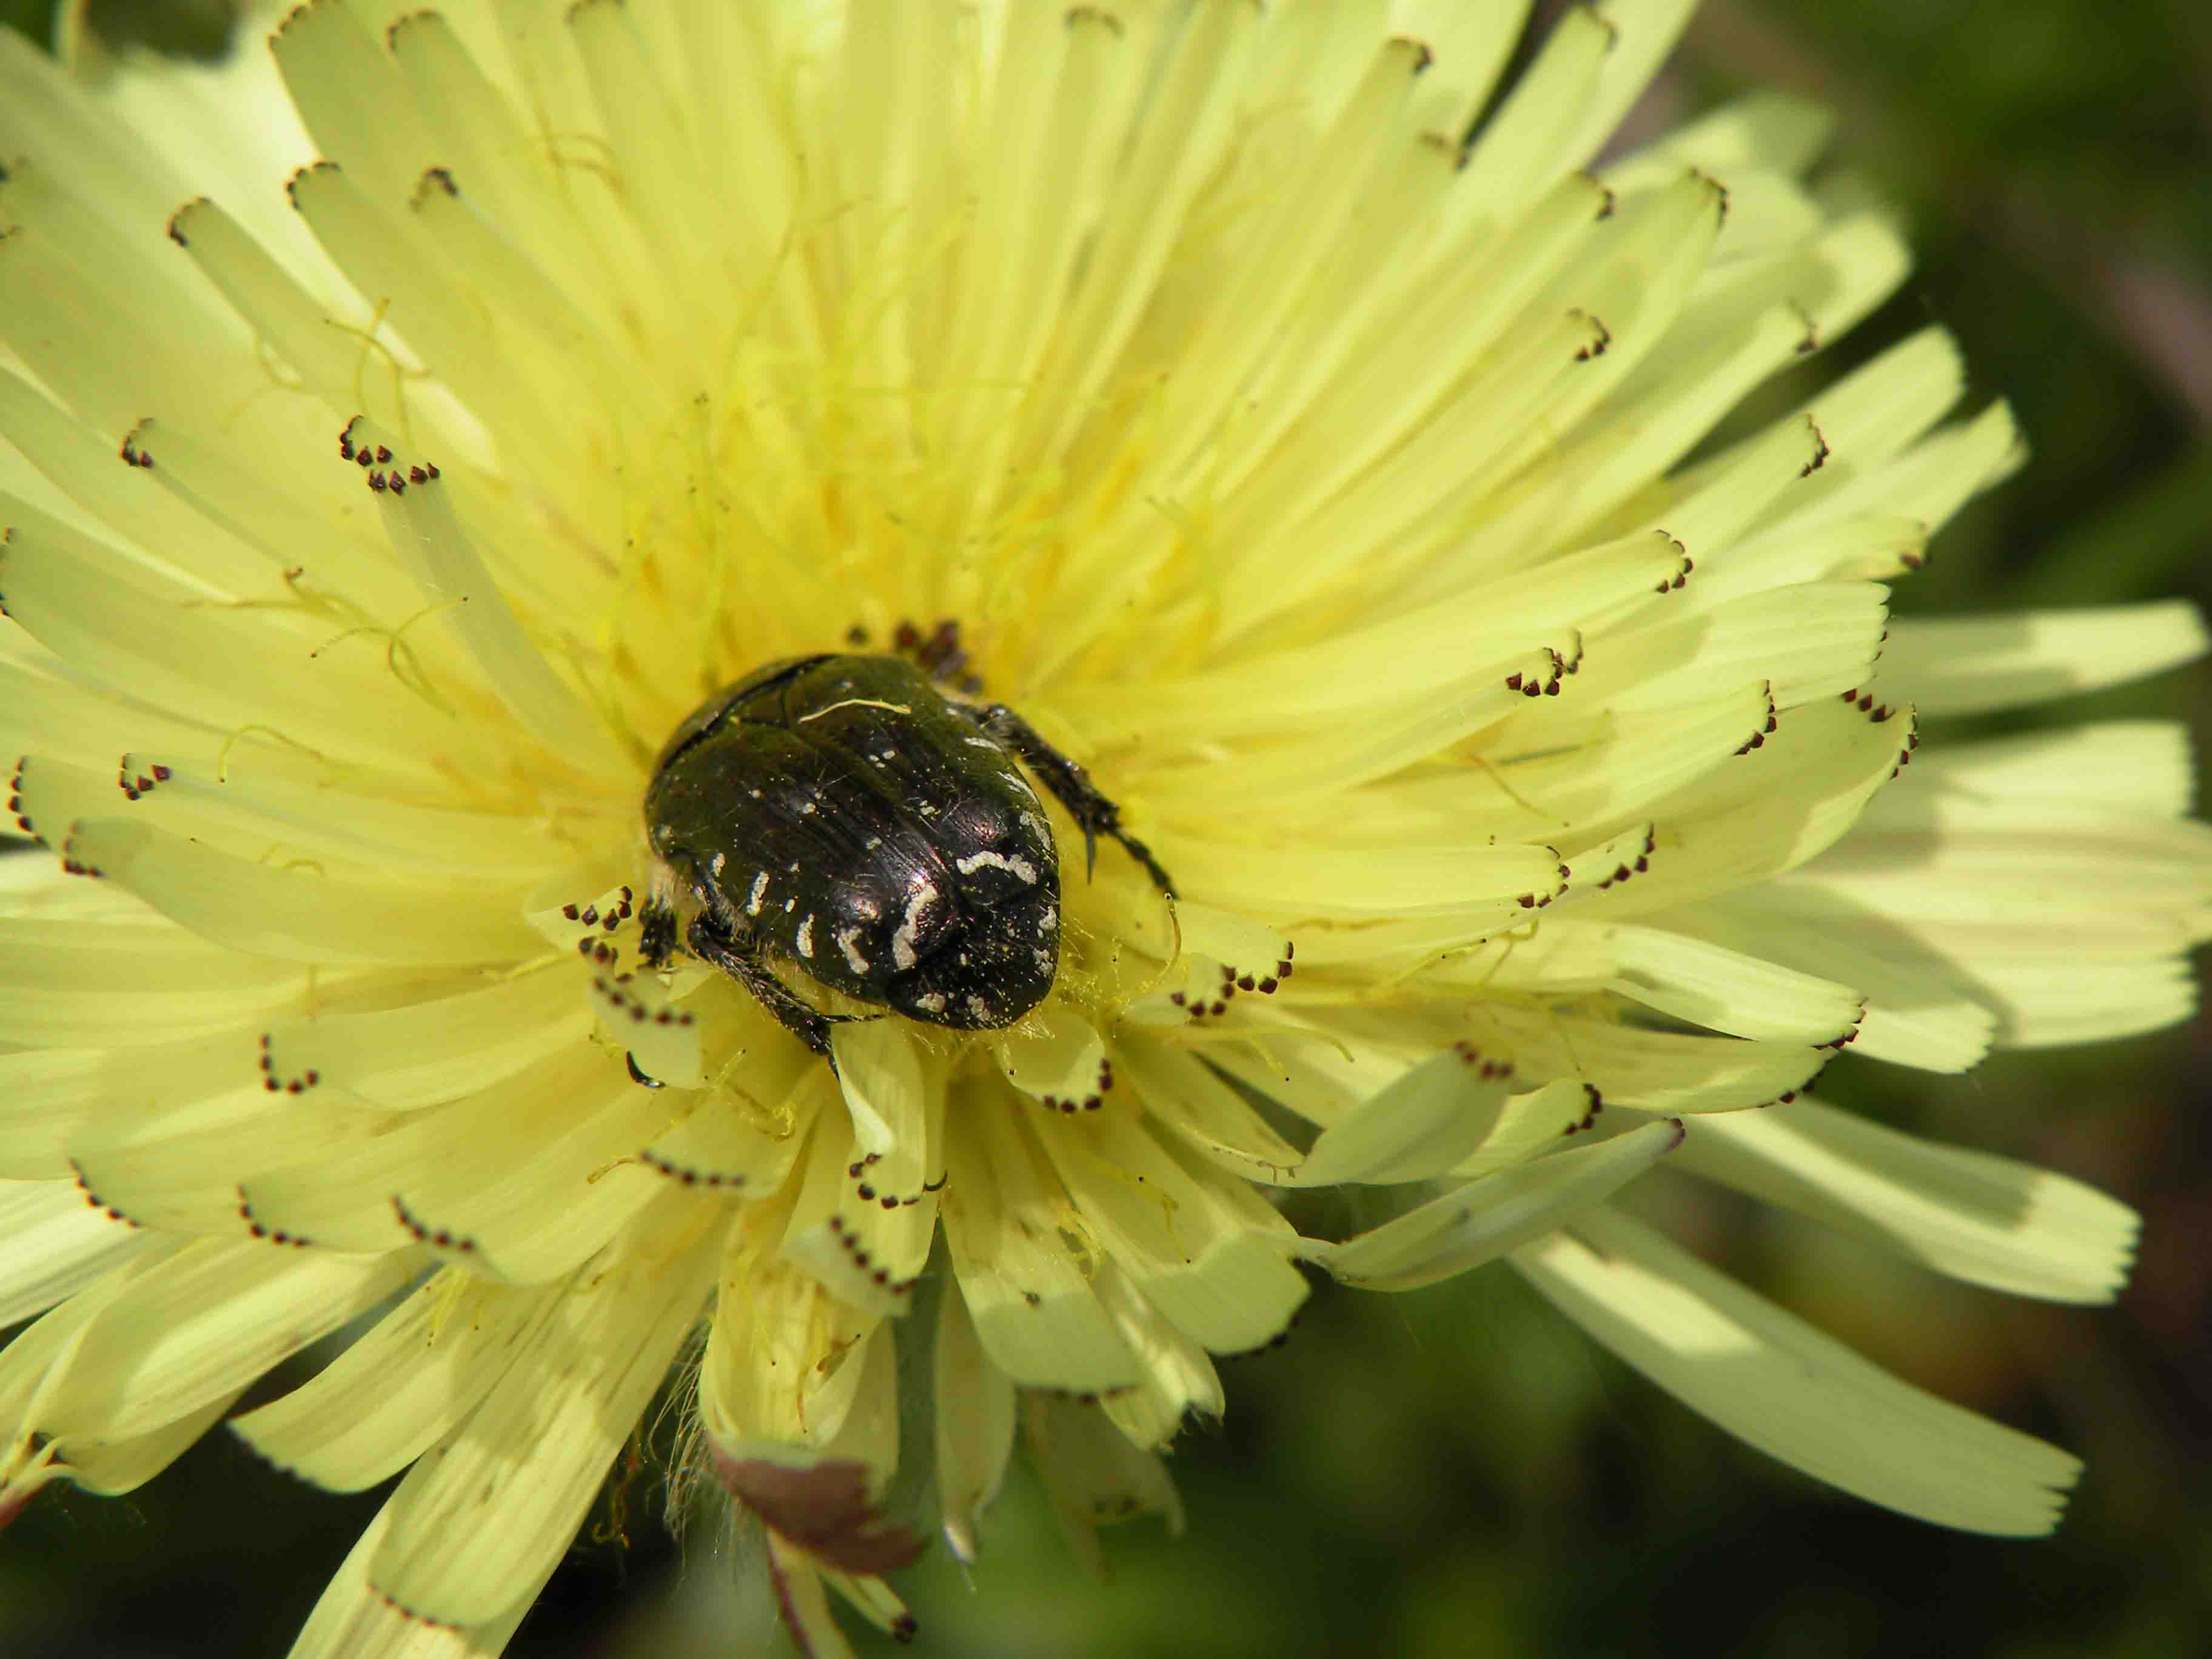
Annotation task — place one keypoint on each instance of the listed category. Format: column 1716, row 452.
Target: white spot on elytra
column 1015, row 865
column 871, row 843
column 931, row 1002
column 808, row 807
column 720, row 859
column 977, row 1008
column 806, row 937
column 1044, row 961
column 919, row 898
column 1050, row 918
column 753, row 898
column 791, row 905
column 853, row 959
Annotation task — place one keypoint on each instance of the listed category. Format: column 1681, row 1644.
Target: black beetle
column 843, row 813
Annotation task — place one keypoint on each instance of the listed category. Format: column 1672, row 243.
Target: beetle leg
column 741, row 960
column 1071, row 786
column 656, row 931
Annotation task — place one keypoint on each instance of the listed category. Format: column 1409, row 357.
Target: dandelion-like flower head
column 1296, row 439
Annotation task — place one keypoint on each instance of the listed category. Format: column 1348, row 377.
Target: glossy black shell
column 840, row 811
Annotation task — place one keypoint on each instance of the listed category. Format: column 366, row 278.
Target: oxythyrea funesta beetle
column 842, row 813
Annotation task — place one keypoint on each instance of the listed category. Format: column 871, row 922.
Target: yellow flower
column 1320, row 483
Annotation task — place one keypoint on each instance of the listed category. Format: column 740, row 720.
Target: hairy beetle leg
column 656, row 932
column 710, row 943
column 1071, row 786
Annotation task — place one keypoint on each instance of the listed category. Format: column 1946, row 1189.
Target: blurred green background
column 1459, row 1471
